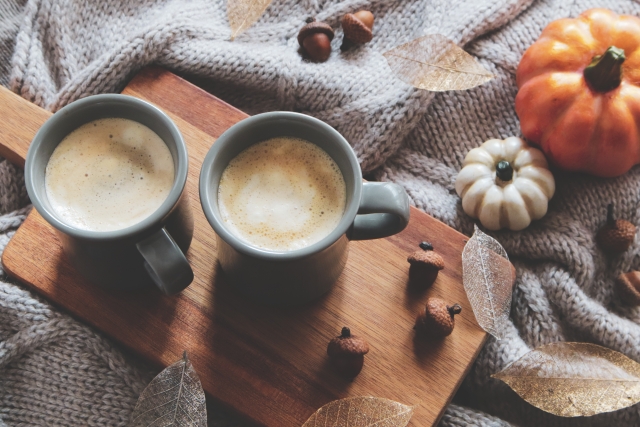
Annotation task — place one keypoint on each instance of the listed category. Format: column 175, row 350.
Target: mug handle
column 165, row 262
column 384, row 211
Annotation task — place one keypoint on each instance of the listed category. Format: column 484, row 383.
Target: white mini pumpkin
column 505, row 183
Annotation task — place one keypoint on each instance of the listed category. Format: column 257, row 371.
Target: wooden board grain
column 19, row 122
column 266, row 363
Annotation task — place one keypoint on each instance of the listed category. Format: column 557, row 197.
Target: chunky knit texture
column 57, row 372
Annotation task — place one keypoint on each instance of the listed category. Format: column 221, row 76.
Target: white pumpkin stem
column 504, row 171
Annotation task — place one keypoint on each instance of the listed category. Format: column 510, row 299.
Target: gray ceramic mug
column 150, row 251
column 372, row 210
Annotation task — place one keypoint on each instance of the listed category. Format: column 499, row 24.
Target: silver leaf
column 173, row 398
column 435, row 63
column 488, row 282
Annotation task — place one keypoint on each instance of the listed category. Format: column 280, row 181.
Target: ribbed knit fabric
column 57, row 372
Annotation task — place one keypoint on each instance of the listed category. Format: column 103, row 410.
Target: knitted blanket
column 55, row 371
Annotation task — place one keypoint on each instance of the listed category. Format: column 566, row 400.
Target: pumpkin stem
column 605, row 71
column 504, row 170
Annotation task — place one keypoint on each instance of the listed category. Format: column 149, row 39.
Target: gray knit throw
column 55, row 371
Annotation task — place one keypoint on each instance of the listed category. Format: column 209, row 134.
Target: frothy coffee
column 109, row 174
column 282, row 194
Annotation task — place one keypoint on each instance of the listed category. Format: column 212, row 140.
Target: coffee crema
column 282, row 194
column 109, row 174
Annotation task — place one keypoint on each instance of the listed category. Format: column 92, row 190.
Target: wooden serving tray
column 267, row 363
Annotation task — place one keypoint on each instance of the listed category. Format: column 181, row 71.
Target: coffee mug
column 149, row 251
column 373, row 210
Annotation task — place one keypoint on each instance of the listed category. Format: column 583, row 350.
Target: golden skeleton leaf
column 361, row 412
column 572, row 379
column 244, row 13
column 437, row 64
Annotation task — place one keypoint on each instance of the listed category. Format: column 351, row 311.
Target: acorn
column 425, row 264
column 628, row 288
column 617, row 234
column 437, row 319
column 315, row 40
column 357, row 28
column 346, row 352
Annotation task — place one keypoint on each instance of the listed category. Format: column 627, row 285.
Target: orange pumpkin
column 579, row 93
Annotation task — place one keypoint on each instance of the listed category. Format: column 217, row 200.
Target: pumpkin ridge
column 478, row 207
column 623, row 28
column 540, row 176
column 557, row 119
column 559, row 64
column 515, row 207
column 533, row 161
column 467, row 181
column 490, row 214
column 478, row 193
column 504, row 216
column 528, row 203
column 600, row 21
column 571, row 155
column 530, row 99
column 608, row 109
column 635, row 113
column 631, row 68
column 567, row 30
column 464, row 190
column 596, row 133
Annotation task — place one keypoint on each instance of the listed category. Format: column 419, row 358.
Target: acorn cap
column 347, row 345
column 315, row 27
column 628, row 288
column 437, row 319
column 355, row 30
column 427, row 258
column 616, row 235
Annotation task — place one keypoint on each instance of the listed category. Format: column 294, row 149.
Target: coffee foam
column 108, row 174
column 282, row 194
